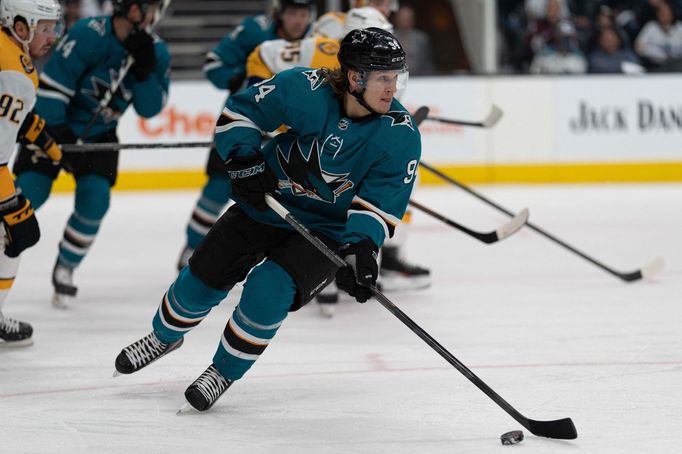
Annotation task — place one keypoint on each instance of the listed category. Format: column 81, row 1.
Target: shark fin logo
column 315, row 78
column 306, row 177
column 400, row 118
column 99, row 88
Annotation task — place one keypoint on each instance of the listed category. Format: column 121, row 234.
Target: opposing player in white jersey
column 29, row 29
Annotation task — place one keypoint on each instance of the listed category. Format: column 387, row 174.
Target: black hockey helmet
column 121, row 7
column 371, row 49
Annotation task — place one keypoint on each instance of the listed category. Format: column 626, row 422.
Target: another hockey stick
column 491, row 120
column 122, row 72
column 508, row 229
column 110, row 146
column 647, row 271
column 561, row 428
column 418, row 116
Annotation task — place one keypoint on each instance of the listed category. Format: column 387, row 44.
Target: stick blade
column 646, row 272
column 494, row 116
column 513, row 225
column 653, row 268
column 562, row 429
column 420, row 115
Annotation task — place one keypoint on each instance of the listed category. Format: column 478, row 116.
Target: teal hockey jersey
column 348, row 179
column 226, row 63
column 81, row 70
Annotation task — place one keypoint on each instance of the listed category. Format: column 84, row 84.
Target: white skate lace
column 9, row 325
column 145, row 350
column 211, row 384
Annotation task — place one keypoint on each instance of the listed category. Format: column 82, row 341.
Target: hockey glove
column 361, row 272
column 141, row 46
column 34, row 132
column 21, row 225
column 251, row 179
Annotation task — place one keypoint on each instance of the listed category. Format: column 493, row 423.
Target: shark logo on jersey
column 315, row 78
column 343, row 124
column 306, row 177
column 400, row 118
column 100, row 87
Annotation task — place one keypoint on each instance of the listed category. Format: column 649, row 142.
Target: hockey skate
column 14, row 333
column 327, row 300
column 183, row 261
column 395, row 274
column 205, row 391
column 64, row 290
column 142, row 353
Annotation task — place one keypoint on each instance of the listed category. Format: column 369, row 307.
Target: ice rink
column 551, row 333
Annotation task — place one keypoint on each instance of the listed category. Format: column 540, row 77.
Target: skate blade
column 60, row 301
column 17, row 344
column 116, row 373
column 326, row 310
column 186, row 408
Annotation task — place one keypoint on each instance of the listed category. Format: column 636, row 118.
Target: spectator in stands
column 540, row 30
column 416, row 43
column 561, row 55
column 659, row 44
column 611, row 56
column 537, row 9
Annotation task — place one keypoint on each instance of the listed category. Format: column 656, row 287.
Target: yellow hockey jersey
column 18, row 85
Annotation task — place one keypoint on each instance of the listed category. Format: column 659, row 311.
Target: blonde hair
column 337, row 79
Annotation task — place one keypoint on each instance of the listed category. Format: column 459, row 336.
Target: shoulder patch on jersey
column 307, row 178
column 314, row 77
column 263, row 21
column 329, row 47
column 26, row 63
column 400, row 118
column 98, row 24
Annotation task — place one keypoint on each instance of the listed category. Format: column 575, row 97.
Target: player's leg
column 35, row 186
column 294, row 272
column 93, row 196
column 231, row 248
column 95, row 174
column 214, row 197
column 13, row 333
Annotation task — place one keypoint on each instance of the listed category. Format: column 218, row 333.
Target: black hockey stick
column 418, row 117
column 123, row 70
column 491, row 120
column 111, row 146
column 647, row 271
column 508, row 229
column 561, row 428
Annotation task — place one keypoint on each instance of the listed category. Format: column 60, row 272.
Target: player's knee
column 93, row 195
column 268, row 293
column 188, row 289
column 35, row 186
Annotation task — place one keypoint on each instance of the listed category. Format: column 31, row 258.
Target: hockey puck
column 512, row 438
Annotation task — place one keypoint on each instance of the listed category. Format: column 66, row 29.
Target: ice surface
column 552, row 334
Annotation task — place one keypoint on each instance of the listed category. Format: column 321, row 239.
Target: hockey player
column 275, row 56
column 226, row 69
column 345, row 168
column 75, row 79
column 28, row 29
